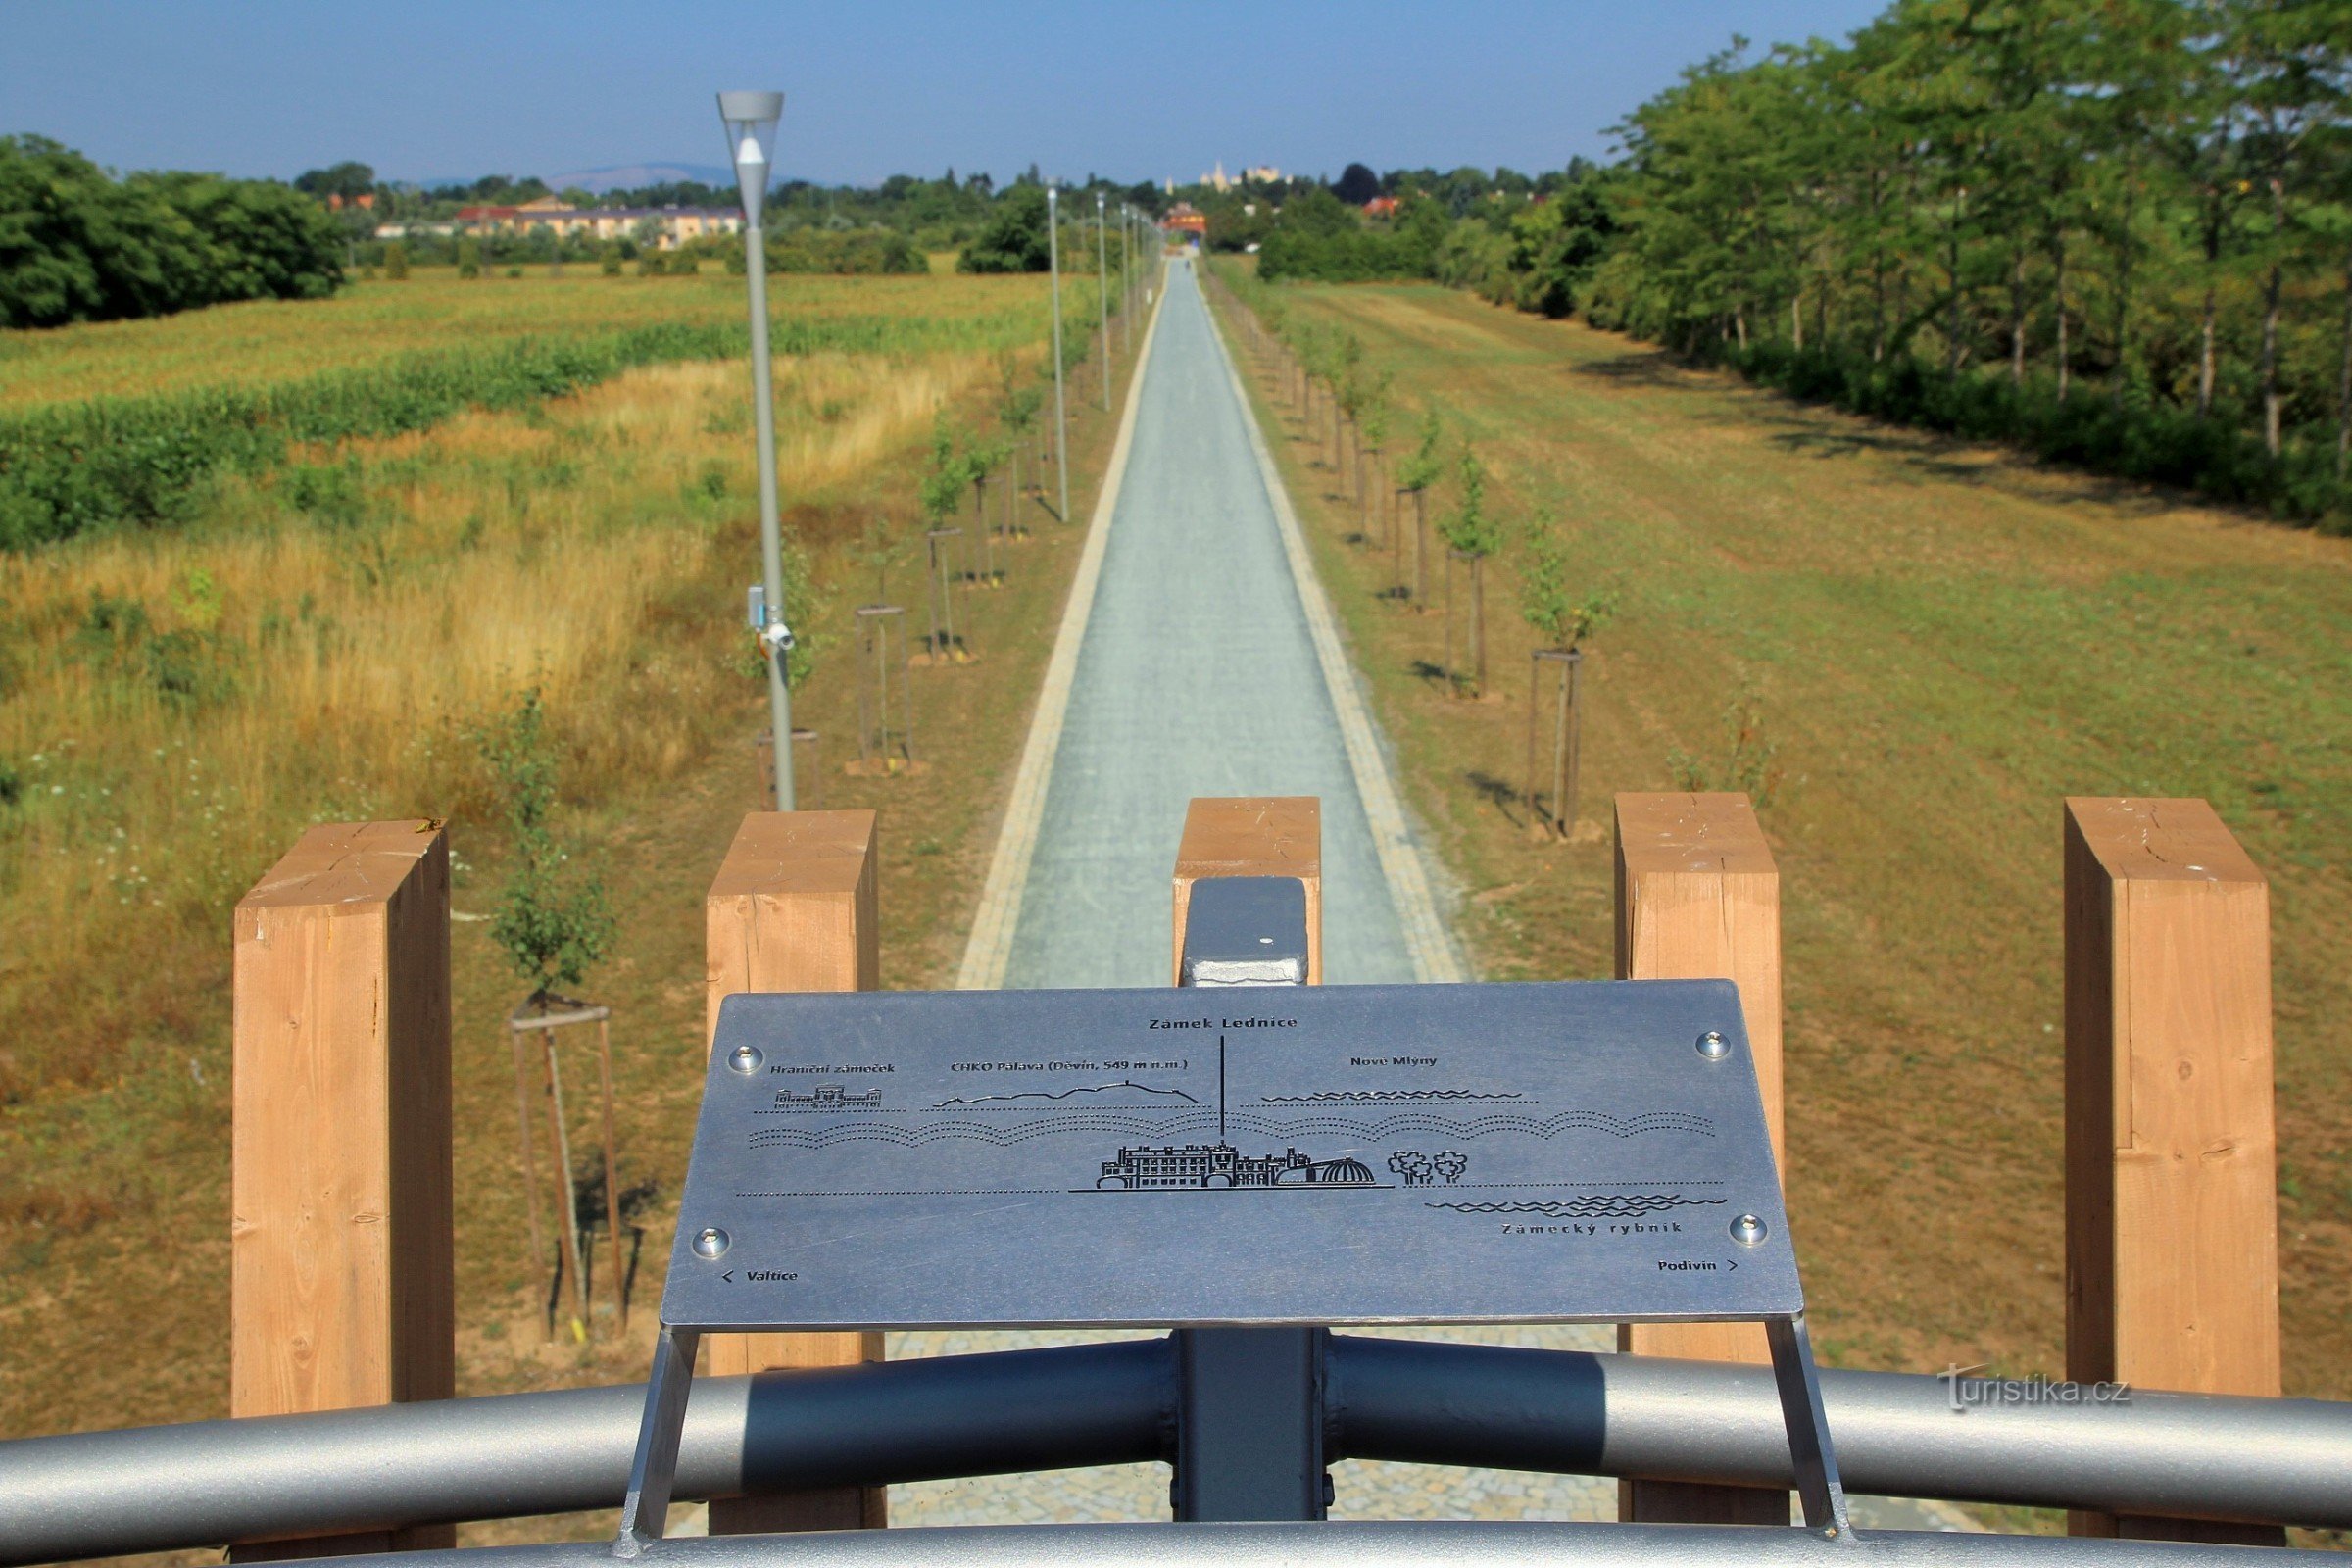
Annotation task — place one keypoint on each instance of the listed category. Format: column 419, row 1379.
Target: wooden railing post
column 792, row 908
column 340, row 1262
column 1698, row 898
column 1253, row 835
column 2172, row 1223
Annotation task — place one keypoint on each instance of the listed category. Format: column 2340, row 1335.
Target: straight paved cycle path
column 1206, row 662
column 1198, row 656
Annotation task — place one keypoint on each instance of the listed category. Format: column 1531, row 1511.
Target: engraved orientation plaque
column 1342, row 1154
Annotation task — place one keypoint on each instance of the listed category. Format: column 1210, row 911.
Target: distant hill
column 629, row 176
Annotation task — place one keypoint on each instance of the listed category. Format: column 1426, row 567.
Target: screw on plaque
column 1713, row 1046
column 1746, row 1230
column 711, row 1242
column 745, row 1059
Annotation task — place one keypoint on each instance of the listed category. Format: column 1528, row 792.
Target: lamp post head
column 751, row 120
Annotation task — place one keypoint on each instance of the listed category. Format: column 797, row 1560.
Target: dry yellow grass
column 301, row 664
column 338, row 671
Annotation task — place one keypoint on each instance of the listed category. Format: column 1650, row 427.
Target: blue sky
column 427, row 88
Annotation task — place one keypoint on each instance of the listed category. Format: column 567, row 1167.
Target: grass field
column 257, row 344
column 1926, row 647
column 175, row 706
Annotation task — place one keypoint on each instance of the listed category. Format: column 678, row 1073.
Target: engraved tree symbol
column 1450, row 1165
column 1411, row 1164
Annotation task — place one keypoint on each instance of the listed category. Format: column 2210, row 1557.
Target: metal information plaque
column 1342, row 1154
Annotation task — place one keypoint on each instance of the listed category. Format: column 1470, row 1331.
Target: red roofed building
column 1380, row 207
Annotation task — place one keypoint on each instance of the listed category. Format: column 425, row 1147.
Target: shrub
column 469, row 257
column 396, row 262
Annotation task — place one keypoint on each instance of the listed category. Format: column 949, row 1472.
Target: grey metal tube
column 155, row 1489
column 1417, row 1544
column 2202, row 1456
column 108, row 1493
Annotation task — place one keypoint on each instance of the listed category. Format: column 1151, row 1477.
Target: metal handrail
column 105, row 1494
column 1416, row 1544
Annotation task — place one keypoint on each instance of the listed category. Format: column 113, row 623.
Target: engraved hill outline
column 1109, row 1119
column 1065, row 1094
column 1364, row 1096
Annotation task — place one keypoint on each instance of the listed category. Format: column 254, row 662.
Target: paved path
column 1199, row 658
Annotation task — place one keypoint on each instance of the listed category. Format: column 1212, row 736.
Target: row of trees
column 2119, row 235
column 942, row 214
column 78, row 245
column 2154, row 196
column 1345, row 403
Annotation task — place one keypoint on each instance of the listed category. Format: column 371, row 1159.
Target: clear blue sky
column 430, row 89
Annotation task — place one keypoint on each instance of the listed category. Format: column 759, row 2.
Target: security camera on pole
column 751, row 119
column 1061, row 417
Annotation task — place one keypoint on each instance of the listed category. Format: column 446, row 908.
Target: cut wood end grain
column 2147, row 839
column 796, row 853
column 345, row 864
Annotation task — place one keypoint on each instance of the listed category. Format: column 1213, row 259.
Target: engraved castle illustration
column 1221, row 1164
column 828, row 1097
column 1141, row 1167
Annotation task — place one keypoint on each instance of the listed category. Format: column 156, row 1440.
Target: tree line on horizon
column 2119, row 235
column 79, row 245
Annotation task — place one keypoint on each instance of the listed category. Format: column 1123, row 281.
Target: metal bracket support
column 654, row 1471
column 1814, row 1460
column 1250, row 1424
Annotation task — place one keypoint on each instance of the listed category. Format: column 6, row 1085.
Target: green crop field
column 1908, row 650
column 320, row 631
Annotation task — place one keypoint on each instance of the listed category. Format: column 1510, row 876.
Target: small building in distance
column 1380, row 207
column 664, row 227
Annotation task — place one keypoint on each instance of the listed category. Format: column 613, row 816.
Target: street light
column 1127, row 280
column 751, row 119
column 1103, row 291
column 1061, row 419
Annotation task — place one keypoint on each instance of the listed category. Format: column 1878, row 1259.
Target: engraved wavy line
column 1375, row 1095
column 1605, row 1205
column 1265, row 1126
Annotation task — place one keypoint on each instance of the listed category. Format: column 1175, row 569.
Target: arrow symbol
column 1733, row 1264
column 729, row 1275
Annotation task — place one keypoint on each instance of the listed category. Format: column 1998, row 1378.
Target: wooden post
column 792, row 908
column 1698, row 898
column 2172, row 1224
column 341, row 1287
column 1253, row 835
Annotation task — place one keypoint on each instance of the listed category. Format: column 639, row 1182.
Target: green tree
column 554, row 920
column 79, row 246
column 469, row 257
column 1473, row 533
column 396, row 261
column 1014, row 239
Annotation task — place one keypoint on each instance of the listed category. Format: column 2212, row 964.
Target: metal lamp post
column 751, row 120
column 1061, row 419
column 1103, row 291
column 1127, row 280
